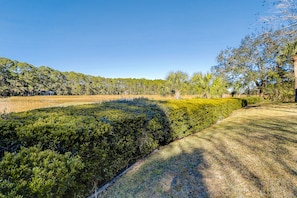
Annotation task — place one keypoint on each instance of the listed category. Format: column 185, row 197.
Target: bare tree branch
column 282, row 15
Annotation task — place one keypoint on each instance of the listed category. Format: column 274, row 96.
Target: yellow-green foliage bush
column 32, row 172
column 252, row 100
column 94, row 142
column 190, row 116
column 107, row 137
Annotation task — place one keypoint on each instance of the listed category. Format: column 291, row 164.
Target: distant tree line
column 264, row 63
column 23, row 79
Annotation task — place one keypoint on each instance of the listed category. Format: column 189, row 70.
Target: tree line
column 23, row 79
column 265, row 64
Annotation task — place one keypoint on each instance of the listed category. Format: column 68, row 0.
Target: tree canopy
column 23, row 79
column 253, row 67
column 263, row 62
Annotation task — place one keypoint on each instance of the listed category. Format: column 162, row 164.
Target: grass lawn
column 25, row 103
column 253, row 153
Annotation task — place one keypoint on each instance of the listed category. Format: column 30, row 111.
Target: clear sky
column 124, row 38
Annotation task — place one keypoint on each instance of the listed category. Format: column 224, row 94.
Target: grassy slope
column 253, row 153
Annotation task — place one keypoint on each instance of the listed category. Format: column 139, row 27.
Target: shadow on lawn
column 250, row 155
column 254, row 159
column 159, row 176
column 181, row 176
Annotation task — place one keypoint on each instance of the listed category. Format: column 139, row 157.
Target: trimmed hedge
column 252, row 100
column 190, row 116
column 107, row 137
column 102, row 139
column 33, row 172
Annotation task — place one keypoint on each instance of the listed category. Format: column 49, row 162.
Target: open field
column 253, row 153
column 21, row 103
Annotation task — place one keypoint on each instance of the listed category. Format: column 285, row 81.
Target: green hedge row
column 190, row 116
column 90, row 144
column 106, row 137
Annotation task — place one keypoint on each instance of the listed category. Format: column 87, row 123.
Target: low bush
column 252, row 100
column 93, row 143
column 190, row 116
column 107, row 137
column 33, row 172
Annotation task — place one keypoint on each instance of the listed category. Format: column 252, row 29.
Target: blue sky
column 124, row 38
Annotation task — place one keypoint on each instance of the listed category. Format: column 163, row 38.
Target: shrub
column 190, row 116
column 252, row 100
column 32, row 172
column 66, row 150
column 108, row 137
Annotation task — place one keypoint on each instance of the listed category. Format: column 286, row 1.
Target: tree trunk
column 295, row 75
column 177, row 94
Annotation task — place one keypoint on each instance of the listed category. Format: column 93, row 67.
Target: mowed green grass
column 252, row 153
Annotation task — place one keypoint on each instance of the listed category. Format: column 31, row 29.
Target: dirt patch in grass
column 253, row 153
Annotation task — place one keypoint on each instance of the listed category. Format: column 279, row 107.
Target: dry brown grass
column 18, row 104
column 253, row 153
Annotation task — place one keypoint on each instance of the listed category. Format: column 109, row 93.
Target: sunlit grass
column 19, row 104
column 253, row 153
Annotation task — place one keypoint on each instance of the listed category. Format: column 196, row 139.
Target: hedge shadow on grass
column 172, row 171
column 252, row 156
column 108, row 137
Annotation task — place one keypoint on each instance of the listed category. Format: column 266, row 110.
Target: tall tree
column 208, row 85
column 177, row 82
column 218, row 86
column 253, row 63
column 282, row 15
column 5, row 76
column 201, row 84
column 23, row 78
column 289, row 54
